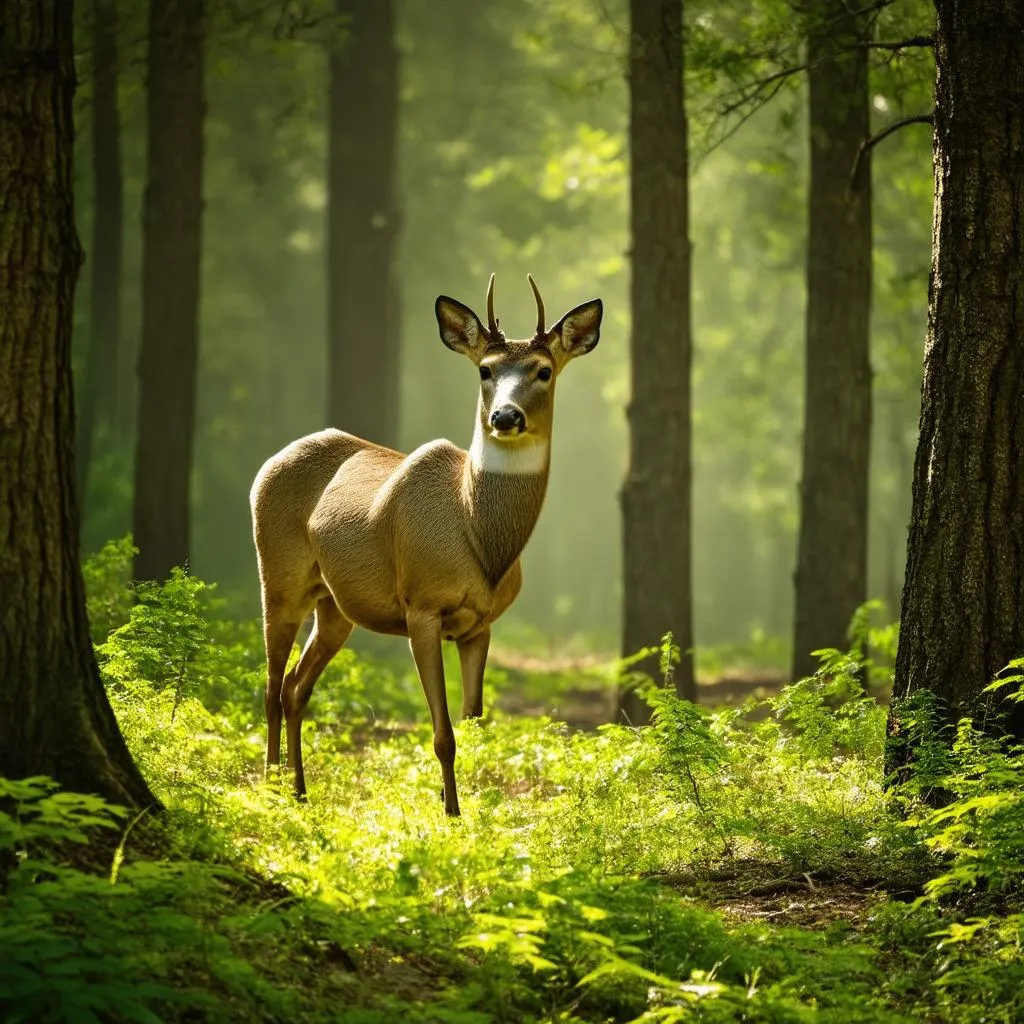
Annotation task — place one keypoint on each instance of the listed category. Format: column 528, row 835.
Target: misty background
column 513, row 158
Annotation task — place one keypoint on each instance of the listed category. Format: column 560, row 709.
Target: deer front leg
column 425, row 642
column 473, row 658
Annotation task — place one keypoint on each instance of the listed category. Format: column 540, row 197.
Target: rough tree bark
column 362, row 223
column 98, row 412
column 656, row 491
column 54, row 715
column 831, row 574
column 172, row 213
column 963, row 598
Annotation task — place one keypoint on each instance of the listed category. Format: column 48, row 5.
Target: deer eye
column 485, row 373
column 544, row 373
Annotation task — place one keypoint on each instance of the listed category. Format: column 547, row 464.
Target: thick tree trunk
column 362, row 224
column 963, row 597
column 99, row 413
column 831, row 574
column 656, row 492
column 172, row 214
column 54, row 715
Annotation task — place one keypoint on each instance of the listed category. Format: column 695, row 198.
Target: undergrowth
column 590, row 878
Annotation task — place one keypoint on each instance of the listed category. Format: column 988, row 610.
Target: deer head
column 517, row 378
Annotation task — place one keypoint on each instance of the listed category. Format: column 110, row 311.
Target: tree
column 100, row 396
column 831, row 574
column 54, row 715
column 656, row 491
column 963, row 600
column 362, row 303
column 170, row 286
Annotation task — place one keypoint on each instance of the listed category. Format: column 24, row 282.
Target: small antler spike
column 492, row 324
column 541, row 328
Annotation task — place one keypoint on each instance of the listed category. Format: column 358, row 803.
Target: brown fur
column 424, row 545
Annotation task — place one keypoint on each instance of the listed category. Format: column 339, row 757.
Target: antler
column 492, row 324
column 541, row 328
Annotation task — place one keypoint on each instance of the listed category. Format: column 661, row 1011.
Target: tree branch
column 753, row 90
column 902, row 44
column 868, row 144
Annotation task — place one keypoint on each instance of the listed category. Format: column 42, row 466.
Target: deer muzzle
column 508, row 419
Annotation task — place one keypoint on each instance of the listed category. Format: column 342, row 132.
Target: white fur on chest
column 489, row 455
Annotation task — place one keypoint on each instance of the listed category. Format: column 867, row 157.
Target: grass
column 716, row 866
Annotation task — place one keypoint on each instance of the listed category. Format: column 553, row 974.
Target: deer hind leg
column 330, row 631
column 280, row 627
column 425, row 641
column 473, row 658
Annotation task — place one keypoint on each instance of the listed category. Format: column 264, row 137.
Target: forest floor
column 740, row 864
column 592, row 702
column 755, row 892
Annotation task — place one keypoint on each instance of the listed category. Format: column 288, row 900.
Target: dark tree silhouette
column 54, row 715
column 170, row 286
column 99, row 412
column 831, row 574
column 363, row 221
column 656, row 492
column 963, row 599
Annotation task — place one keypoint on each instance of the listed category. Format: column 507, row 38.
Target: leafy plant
column 108, row 598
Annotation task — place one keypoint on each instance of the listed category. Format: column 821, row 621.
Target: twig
column 750, row 92
column 868, row 144
column 761, row 102
column 902, row 44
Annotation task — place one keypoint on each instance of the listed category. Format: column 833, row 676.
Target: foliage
column 108, row 598
column 579, row 886
column 144, row 941
column 164, row 636
column 977, row 834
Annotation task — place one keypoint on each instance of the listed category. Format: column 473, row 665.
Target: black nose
column 508, row 417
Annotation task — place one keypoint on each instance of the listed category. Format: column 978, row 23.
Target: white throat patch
column 494, row 456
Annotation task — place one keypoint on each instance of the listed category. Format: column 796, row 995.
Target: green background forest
column 512, row 157
column 827, row 835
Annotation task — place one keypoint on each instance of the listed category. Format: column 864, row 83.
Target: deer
column 424, row 545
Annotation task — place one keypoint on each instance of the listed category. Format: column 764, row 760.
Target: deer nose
column 508, row 417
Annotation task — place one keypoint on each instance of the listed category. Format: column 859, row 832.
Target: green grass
column 712, row 867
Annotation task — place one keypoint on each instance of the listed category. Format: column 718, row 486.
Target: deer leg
column 473, row 658
column 279, row 635
column 330, row 631
column 425, row 641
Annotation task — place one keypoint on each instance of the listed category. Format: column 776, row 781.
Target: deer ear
column 460, row 328
column 577, row 332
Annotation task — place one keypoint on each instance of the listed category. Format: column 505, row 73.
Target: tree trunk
column 172, row 213
column 54, row 715
column 831, row 575
column 362, row 228
column 99, row 412
column 656, row 491
column 963, row 596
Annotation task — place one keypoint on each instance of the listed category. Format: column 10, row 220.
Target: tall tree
column 831, row 574
column 963, row 598
column 656, row 492
column 362, row 223
column 170, row 285
column 54, row 715
column 99, row 397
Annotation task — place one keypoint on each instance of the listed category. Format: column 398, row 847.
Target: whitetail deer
column 424, row 545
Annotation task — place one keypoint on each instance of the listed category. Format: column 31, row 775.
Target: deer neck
column 503, row 490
